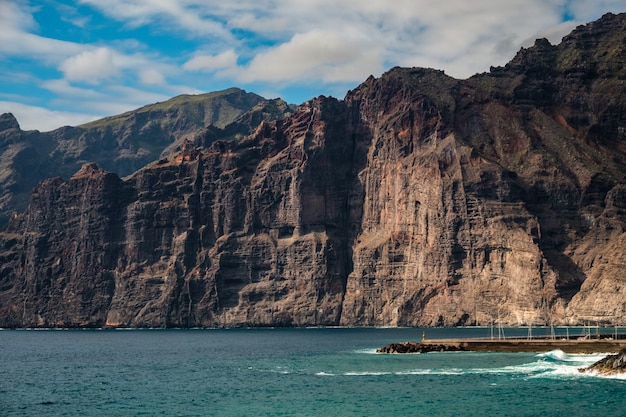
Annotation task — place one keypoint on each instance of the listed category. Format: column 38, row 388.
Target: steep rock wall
column 443, row 240
column 245, row 233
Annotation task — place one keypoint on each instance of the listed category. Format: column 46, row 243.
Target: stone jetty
column 507, row 345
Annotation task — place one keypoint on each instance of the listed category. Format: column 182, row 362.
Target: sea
column 290, row 372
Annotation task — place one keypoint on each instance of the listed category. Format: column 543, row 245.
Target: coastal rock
column 611, row 364
column 417, row 200
column 415, row 347
column 401, row 347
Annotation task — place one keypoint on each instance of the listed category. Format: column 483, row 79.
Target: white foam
column 589, row 358
column 432, row 372
column 366, row 373
column 556, row 355
column 536, row 369
column 554, row 364
column 282, row 370
column 366, row 351
column 620, row 376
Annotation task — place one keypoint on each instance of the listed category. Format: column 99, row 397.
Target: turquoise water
column 287, row 372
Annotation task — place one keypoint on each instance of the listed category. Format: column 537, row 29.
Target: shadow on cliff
column 557, row 223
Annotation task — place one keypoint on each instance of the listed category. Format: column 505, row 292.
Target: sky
column 69, row 62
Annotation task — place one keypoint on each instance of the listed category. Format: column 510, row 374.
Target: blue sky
column 67, row 62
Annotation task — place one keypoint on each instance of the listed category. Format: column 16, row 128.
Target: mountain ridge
column 122, row 143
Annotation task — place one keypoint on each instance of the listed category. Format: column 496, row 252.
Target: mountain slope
column 121, row 144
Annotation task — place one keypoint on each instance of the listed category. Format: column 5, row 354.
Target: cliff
column 123, row 143
column 418, row 199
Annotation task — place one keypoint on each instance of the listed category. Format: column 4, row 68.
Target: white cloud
column 63, row 88
column 227, row 59
column 16, row 37
column 151, row 76
column 279, row 46
column 193, row 17
column 314, row 41
column 300, row 41
column 45, row 50
column 71, row 15
column 132, row 97
column 117, row 99
column 16, row 17
column 316, row 55
column 39, row 118
column 463, row 37
column 259, row 24
column 90, row 66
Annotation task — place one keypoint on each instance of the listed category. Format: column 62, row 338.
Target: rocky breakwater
column 575, row 346
column 416, row 347
column 610, row 365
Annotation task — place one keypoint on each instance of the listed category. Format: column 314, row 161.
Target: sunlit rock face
column 418, row 199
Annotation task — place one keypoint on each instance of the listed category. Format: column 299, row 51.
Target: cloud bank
column 90, row 58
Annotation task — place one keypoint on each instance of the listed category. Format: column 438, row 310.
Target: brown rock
column 611, row 364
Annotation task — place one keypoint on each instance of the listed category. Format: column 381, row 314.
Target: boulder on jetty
column 611, row 364
column 415, row 347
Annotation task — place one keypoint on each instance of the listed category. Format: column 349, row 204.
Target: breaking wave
column 553, row 364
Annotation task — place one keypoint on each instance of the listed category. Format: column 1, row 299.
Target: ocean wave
column 555, row 364
column 555, row 355
column 534, row 370
column 558, row 355
column 531, row 370
column 366, row 373
column 371, row 351
column 537, row 369
column 432, row 372
column 595, row 374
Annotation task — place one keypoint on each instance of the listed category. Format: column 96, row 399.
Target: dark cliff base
column 512, row 345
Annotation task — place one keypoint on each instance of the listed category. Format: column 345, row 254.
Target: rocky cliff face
column 124, row 143
column 419, row 199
